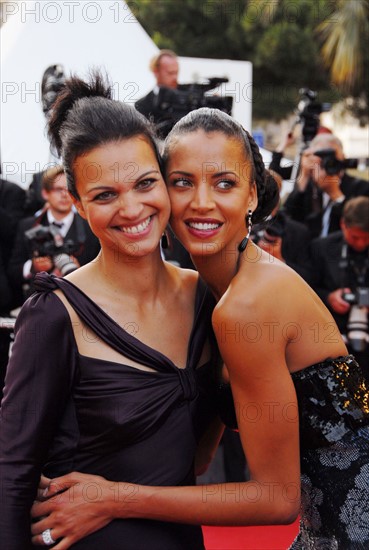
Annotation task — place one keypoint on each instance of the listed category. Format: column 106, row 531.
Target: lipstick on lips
column 203, row 227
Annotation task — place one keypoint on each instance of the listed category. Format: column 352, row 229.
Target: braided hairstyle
column 86, row 116
column 213, row 120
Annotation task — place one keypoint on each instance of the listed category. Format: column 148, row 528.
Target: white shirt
column 327, row 205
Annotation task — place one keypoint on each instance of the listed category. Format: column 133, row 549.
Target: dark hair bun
column 74, row 90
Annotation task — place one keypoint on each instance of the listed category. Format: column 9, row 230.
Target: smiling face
column 123, row 196
column 210, row 188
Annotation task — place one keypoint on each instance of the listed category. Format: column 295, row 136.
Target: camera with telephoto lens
column 357, row 328
column 359, row 297
column 357, row 324
column 331, row 164
column 47, row 241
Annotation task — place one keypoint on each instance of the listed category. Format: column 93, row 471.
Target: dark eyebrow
column 99, row 188
column 223, row 173
column 213, row 175
column 153, row 171
column 180, row 173
column 108, row 187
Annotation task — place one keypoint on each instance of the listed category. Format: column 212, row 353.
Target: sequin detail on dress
column 334, row 435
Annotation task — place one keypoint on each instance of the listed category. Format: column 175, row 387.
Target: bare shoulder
column 81, row 275
column 265, row 288
column 272, row 307
column 185, row 280
column 268, row 294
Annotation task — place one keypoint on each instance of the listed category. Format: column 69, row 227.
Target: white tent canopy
column 80, row 35
column 77, row 35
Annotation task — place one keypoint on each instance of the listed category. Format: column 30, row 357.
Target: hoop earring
column 245, row 240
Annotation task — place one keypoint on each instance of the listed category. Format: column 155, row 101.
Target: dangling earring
column 245, row 240
column 165, row 240
column 249, row 222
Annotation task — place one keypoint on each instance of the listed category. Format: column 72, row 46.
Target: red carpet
column 250, row 538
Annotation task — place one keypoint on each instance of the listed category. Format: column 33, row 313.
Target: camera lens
column 64, row 264
column 357, row 328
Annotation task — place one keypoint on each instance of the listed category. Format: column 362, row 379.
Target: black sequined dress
column 334, row 440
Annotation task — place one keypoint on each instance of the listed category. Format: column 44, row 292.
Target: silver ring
column 47, row 538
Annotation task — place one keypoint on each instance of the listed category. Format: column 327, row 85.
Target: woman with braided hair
column 299, row 399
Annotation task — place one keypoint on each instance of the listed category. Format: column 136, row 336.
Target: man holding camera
column 323, row 186
column 341, row 277
column 169, row 101
column 154, row 106
column 57, row 240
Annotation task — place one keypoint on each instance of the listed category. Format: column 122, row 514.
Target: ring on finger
column 47, row 538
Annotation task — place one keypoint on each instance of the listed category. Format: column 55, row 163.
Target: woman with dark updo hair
column 112, row 366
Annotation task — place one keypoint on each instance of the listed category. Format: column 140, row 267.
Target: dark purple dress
column 63, row 411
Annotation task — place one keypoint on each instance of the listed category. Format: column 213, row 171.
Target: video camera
column 174, row 103
column 47, row 241
column 331, row 164
column 308, row 111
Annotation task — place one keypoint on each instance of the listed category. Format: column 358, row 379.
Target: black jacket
column 329, row 274
column 164, row 108
column 12, row 199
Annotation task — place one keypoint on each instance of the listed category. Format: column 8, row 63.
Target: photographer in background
column 57, row 241
column 169, row 101
column 323, row 186
column 165, row 68
column 341, row 276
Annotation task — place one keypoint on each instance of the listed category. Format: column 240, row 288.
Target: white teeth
column 204, row 226
column 136, row 228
